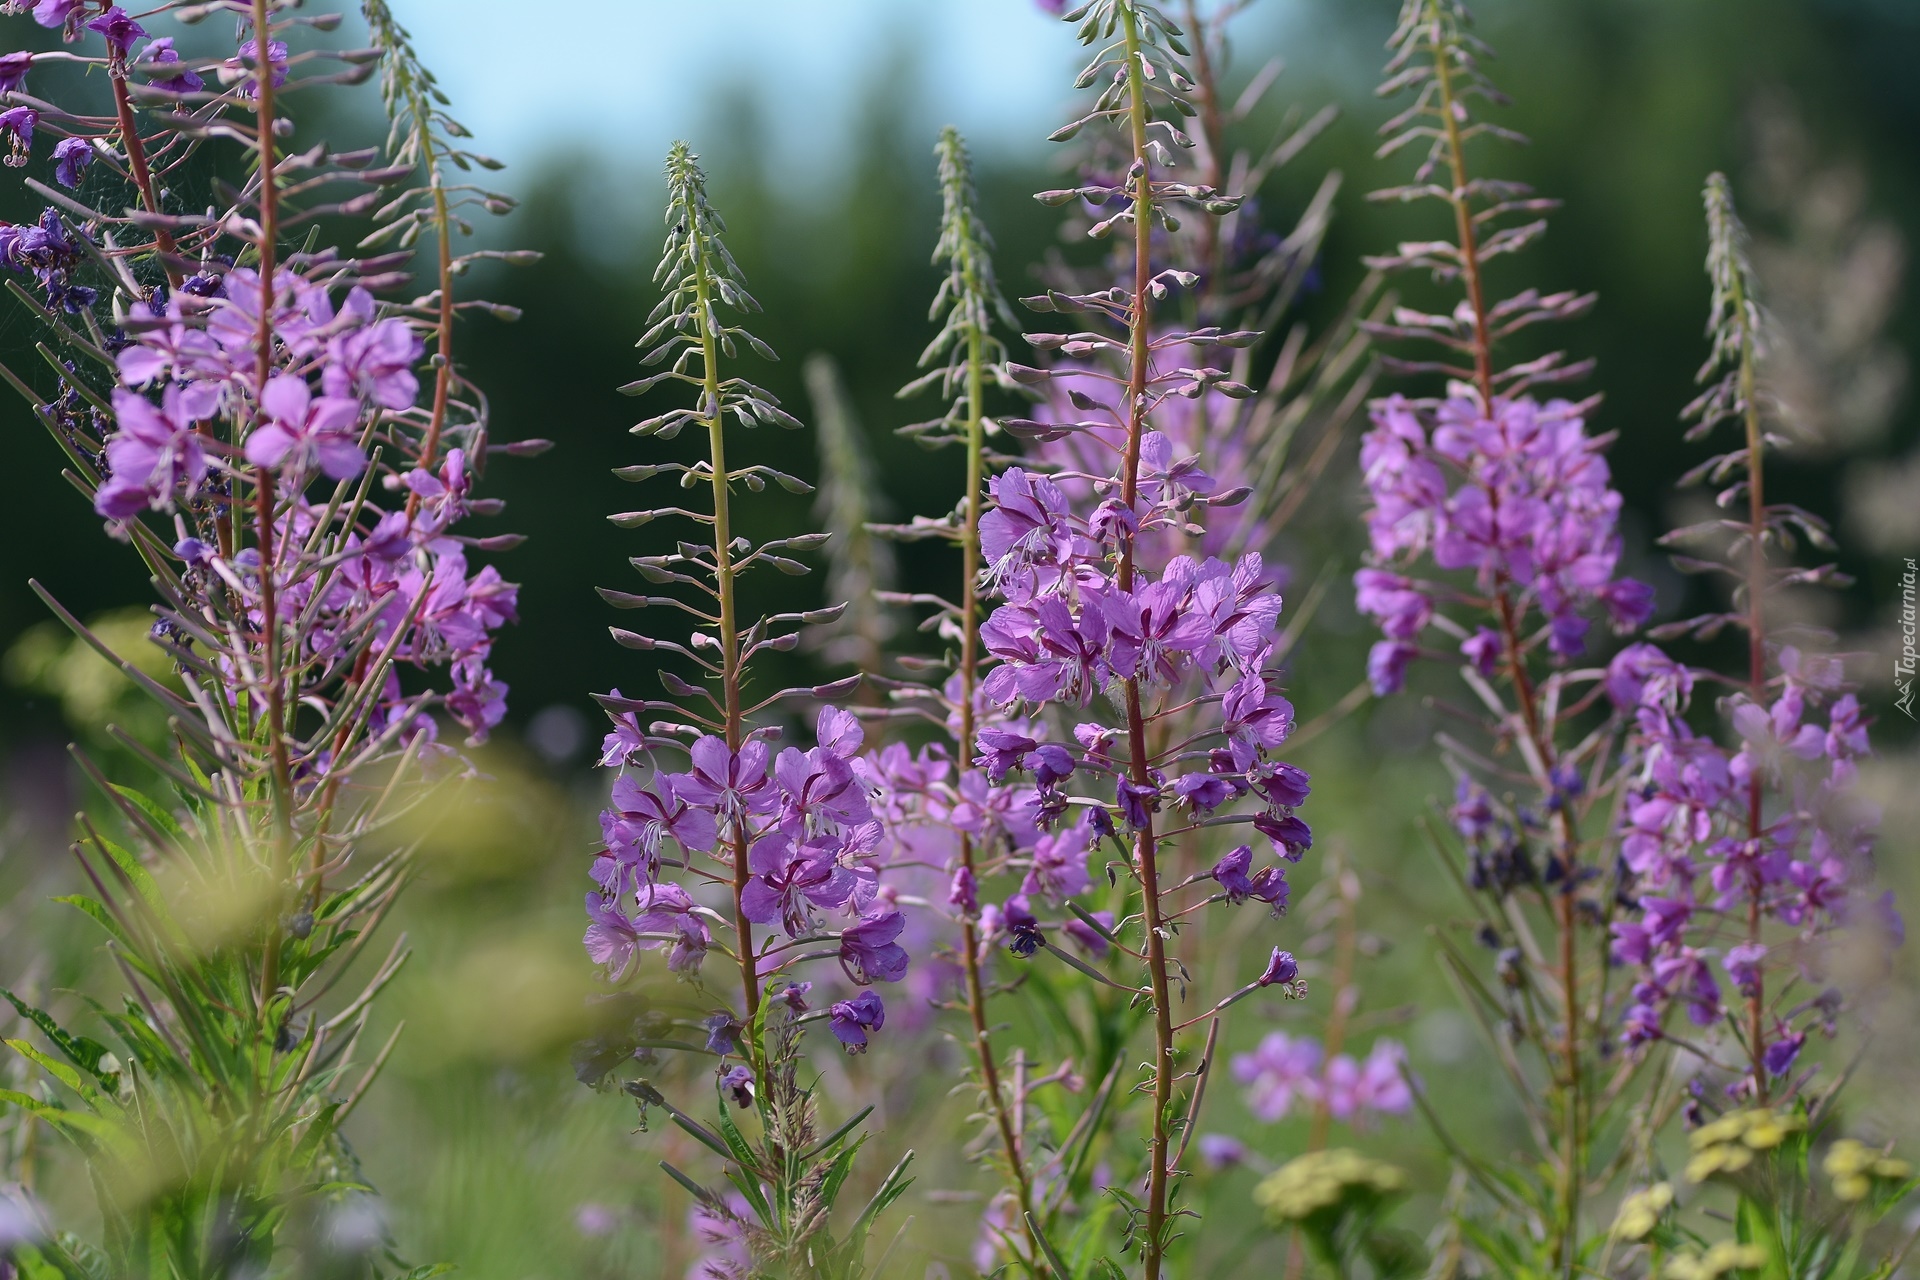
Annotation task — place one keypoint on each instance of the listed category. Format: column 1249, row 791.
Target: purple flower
column 302, row 431
column 1281, row 968
column 17, row 125
column 868, row 951
column 119, row 31
column 1060, row 863
column 729, row 784
column 1256, row 720
column 249, row 54
column 625, row 742
column 375, row 363
column 156, row 455
column 13, row 70
column 1221, row 1151
column 477, row 701
column 790, row 877
column 1268, row 886
column 71, row 156
column 1280, row 1070
column 1088, row 938
column 963, row 894
column 1482, row 651
column 1387, row 666
column 160, row 54
column 1393, row 601
column 1352, row 1089
column 639, row 820
column 611, row 939
column 850, row 1020
column 55, row 13
column 1744, row 964
column 794, row 996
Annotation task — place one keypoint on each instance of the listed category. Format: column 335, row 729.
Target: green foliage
column 786, row 1178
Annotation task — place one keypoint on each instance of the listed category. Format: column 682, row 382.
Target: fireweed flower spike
column 764, row 841
column 1493, row 532
column 1091, row 615
column 253, row 433
column 1742, row 858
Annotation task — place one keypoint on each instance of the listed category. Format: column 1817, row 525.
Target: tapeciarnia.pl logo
column 1903, row 666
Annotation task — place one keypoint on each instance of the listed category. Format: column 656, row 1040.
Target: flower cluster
column 1519, row 496
column 1702, row 882
column 1284, row 1072
column 812, row 839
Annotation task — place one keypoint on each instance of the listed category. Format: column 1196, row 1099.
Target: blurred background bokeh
column 817, row 119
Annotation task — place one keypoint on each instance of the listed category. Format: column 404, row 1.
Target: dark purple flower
column 737, row 1082
column 119, row 31
column 1023, row 927
column 158, row 54
column 13, row 70
column 1282, row 784
column 1268, row 886
column 723, row 1033
column 794, row 996
column 1281, row 968
column 1780, row 1055
column 1138, row 801
column 850, row 1020
column 868, row 951
column 1290, row 836
column 71, row 156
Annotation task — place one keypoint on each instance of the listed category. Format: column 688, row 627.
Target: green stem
column 1568, row 1081
column 1756, row 655
column 1146, row 865
column 969, row 680
column 723, row 573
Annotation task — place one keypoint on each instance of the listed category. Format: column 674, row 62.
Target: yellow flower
column 1640, row 1212
column 1726, row 1158
column 1766, row 1130
column 1853, row 1166
column 1319, row 1180
column 1726, row 1129
column 1717, row 1261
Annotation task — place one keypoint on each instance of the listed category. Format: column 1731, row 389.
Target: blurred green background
column 487, row 1151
